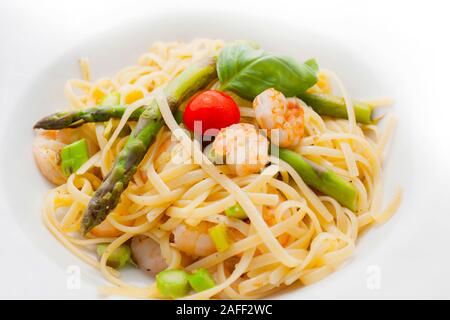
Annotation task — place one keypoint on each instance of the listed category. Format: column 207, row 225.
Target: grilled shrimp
column 146, row 252
column 274, row 112
column 47, row 147
column 194, row 241
column 243, row 148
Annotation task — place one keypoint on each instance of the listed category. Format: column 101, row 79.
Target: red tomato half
column 213, row 110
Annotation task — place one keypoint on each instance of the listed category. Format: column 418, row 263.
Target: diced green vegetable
column 236, row 211
column 119, row 258
column 112, row 99
column 201, row 280
column 73, row 156
column 173, row 283
column 219, row 236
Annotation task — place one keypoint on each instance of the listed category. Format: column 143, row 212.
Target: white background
column 34, row 33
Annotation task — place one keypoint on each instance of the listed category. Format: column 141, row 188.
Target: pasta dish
column 220, row 170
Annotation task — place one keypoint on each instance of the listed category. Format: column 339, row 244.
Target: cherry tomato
column 213, row 109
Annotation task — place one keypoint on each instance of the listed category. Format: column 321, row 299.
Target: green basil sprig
column 247, row 70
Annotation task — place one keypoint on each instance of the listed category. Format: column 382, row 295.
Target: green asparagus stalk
column 73, row 119
column 325, row 181
column 108, row 194
column 323, row 104
column 333, row 106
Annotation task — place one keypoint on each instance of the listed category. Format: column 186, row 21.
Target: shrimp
column 243, row 147
column 46, row 150
column 171, row 153
column 194, row 241
column 47, row 147
column 146, row 252
column 283, row 118
column 105, row 229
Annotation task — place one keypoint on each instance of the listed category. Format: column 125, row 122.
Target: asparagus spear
column 326, row 182
column 73, row 119
column 108, row 194
column 324, row 104
column 330, row 105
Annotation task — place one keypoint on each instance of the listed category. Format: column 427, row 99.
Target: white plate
column 398, row 259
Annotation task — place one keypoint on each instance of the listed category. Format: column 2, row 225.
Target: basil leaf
column 312, row 63
column 248, row 71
